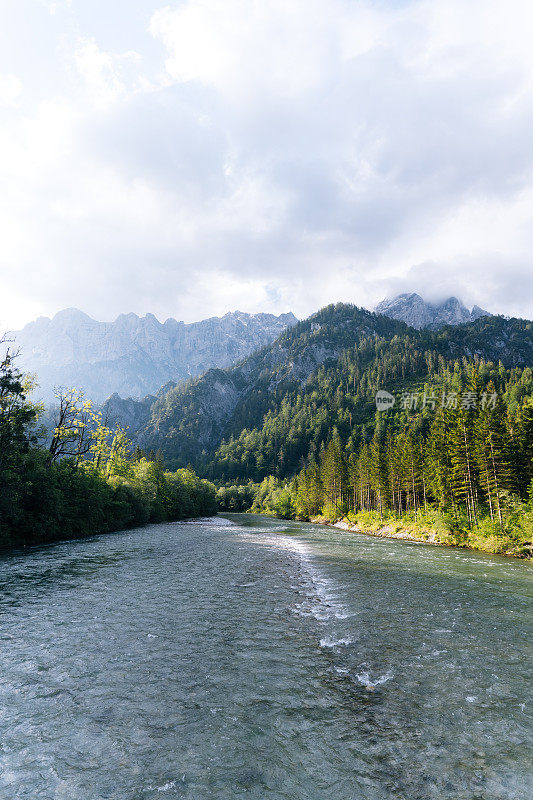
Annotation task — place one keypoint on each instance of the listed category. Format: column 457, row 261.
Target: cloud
column 54, row 6
column 104, row 73
column 10, row 90
column 274, row 155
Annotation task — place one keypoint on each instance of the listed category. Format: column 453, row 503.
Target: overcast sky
column 194, row 157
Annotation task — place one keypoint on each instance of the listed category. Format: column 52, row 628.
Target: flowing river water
column 253, row 658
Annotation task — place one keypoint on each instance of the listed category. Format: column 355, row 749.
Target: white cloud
column 10, row 90
column 246, row 49
column 274, row 155
column 53, row 6
column 107, row 76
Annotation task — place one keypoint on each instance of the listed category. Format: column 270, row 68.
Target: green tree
column 492, row 451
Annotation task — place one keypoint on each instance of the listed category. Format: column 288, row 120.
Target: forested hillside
column 190, row 421
column 278, row 408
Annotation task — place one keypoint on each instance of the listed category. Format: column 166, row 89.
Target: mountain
column 268, row 413
column 416, row 312
column 190, row 420
column 134, row 356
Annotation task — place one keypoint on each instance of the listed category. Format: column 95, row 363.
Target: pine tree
column 378, row 473
column 309, row 495
column 463, row 464
column 493, row 453
column 439, row 463
column 333, row 472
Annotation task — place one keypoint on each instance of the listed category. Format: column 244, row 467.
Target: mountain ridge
column 135, row 356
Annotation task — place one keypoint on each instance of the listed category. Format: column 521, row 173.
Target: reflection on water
column 246, row 657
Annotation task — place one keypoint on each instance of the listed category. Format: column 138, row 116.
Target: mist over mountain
column 416, row 312
column 135, row 356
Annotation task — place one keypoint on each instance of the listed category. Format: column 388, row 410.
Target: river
column 246, row 657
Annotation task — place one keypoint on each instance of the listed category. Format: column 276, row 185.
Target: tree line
column 469, row 461
column 83, row 477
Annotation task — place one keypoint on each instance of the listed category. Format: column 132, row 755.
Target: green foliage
column 44, row 496
column 284, row 504
column 17, row 415
column 236, row 497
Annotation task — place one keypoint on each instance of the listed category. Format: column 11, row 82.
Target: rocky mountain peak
column 412, row 309
column 70, row 316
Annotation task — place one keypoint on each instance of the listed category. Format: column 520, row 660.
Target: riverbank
column 502, row 545
column 503, row 528
column 44, row 503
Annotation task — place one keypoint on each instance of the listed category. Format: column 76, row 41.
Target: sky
column 196, row 157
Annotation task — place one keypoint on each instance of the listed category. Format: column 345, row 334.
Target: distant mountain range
column 267, row 414
column 135, row 356
column 416, row 312
column 244, row 396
